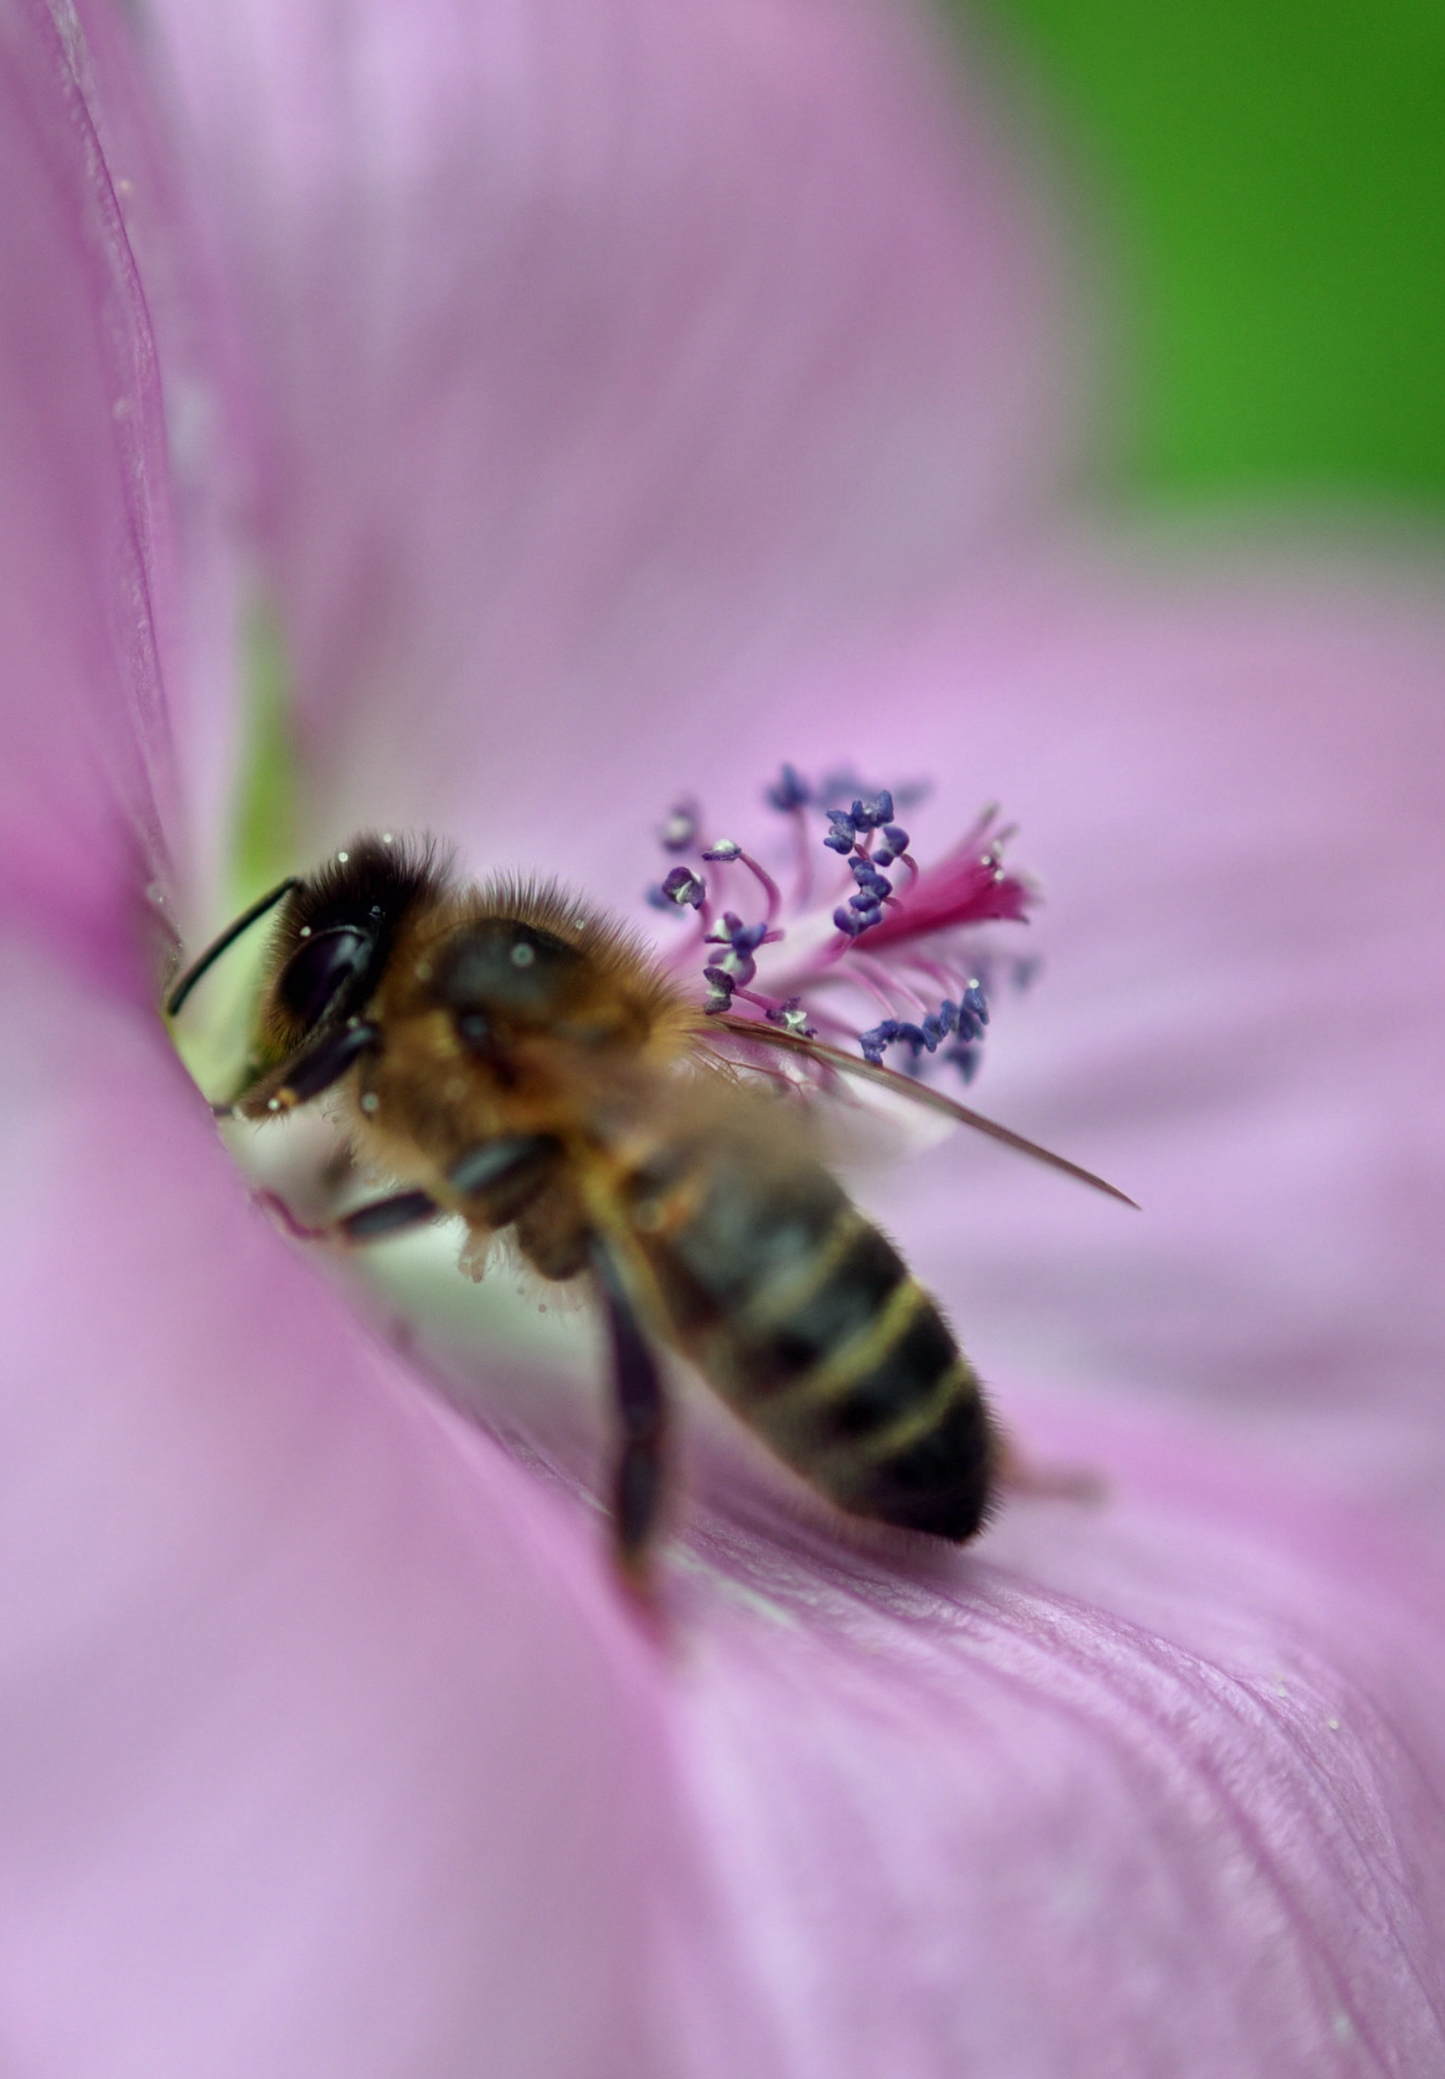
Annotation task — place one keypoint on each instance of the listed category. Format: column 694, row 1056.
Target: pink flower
column 611, row 399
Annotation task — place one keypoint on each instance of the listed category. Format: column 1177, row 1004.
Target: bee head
column 336, row 937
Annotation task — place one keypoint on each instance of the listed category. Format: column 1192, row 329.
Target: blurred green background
column 1272, row 174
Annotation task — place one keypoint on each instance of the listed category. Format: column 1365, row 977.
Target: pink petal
column 594, row 348
column 85, row 776
column 329, row 1749
column 1231, row 789
column 1154, row 1787
column 1149, row 1784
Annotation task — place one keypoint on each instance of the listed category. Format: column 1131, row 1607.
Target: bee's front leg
column 638, row 1478
column 375, row 1222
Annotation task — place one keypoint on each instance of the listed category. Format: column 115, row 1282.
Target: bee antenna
column 227, row 938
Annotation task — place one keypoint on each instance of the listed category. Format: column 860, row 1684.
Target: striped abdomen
column 807, row 1321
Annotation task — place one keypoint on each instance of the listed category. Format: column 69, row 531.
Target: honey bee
column 507, row 1055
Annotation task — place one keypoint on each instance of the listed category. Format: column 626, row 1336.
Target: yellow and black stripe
column 806, row 1319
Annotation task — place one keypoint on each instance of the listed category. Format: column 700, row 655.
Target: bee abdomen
column 807, row 1320
column 887, row 1417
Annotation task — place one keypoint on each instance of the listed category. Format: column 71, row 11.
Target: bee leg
column 385, row 1216
column 369, row 1223
column 637, row 1484
column 1017, row 1473
column 501, row 1175
column 306, row 1075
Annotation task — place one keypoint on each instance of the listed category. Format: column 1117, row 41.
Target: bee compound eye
column 320, row 969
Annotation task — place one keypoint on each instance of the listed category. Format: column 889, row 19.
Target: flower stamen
column 898, row 942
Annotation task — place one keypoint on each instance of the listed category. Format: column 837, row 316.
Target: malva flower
column 610, row 401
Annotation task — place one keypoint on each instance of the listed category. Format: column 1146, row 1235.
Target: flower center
column 852, row 937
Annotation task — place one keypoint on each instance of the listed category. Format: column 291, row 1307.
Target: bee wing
column 755, row 1031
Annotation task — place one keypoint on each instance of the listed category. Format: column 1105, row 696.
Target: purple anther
column 746, row 938
column 844, row 833
column 894, row 845
column 866, row 874
column 792, row 1017
column 912, row 1036
column 725, row 849
column 872, row 815
column 722, row 931
column 966, row 1060
column 789, row 791
column 848, row 920
column 684, row 887
column 933, row 1030
column 739, row 968
column 679, row 830
column 719, row 990
column 868, row 902
column 740, row 939
column 880, row 1037
column 972, row 1013
column 838, row 786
